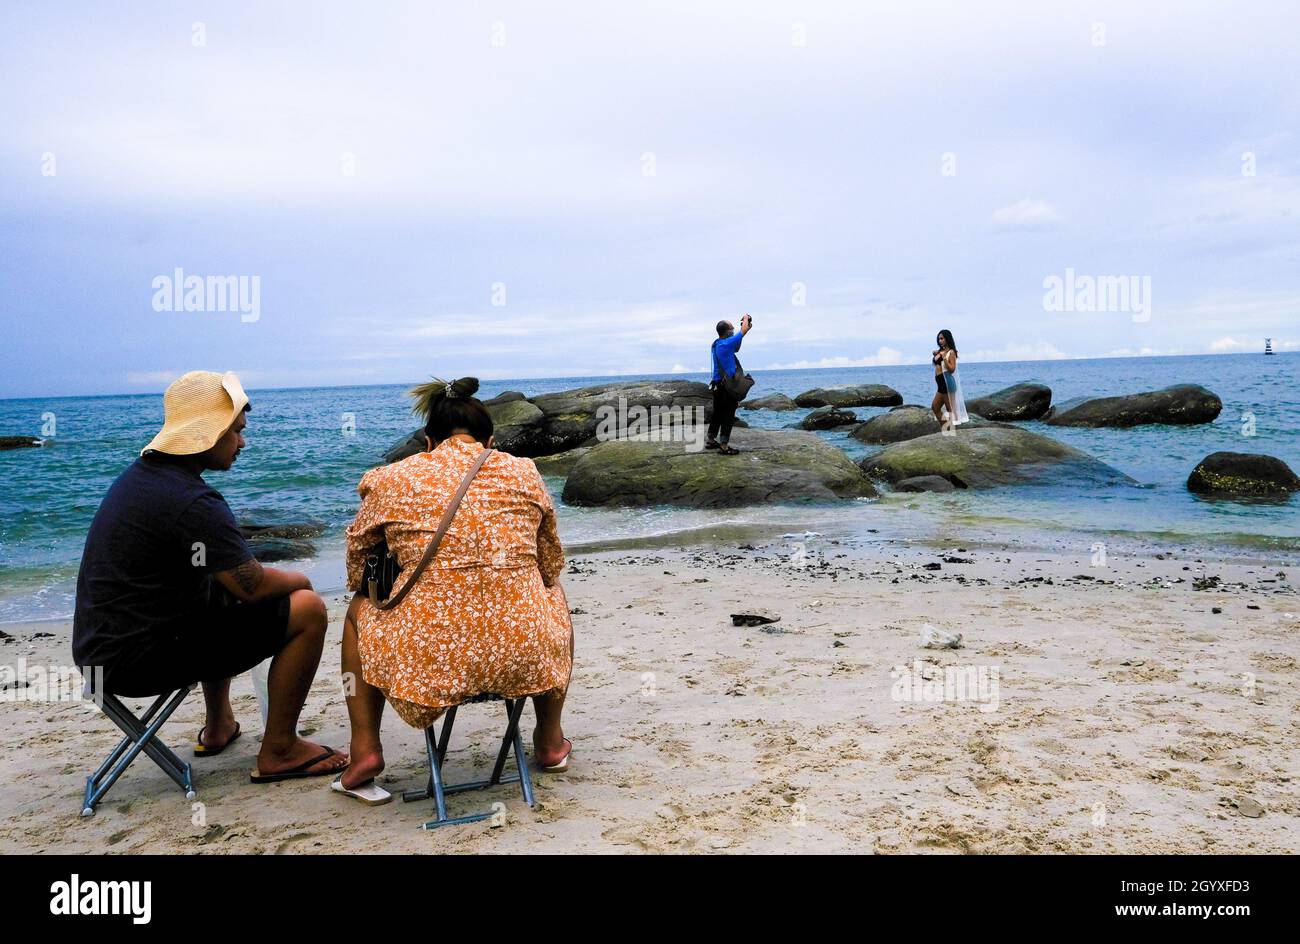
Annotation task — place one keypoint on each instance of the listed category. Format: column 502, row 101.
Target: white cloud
column 884, row 357
column 1026, row 214
column 152, row 378
column 1020, row 351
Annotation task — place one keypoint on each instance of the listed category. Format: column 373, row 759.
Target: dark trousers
column 724, row 415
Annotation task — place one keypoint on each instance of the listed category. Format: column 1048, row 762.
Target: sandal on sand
column 728, row 451
column 562, row 766
column 369, row 793
column 202, row 750
column 297, row 773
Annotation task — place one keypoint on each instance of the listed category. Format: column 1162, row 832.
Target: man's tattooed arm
column 243, row 581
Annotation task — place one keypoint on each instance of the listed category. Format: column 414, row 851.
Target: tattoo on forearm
column 248, row 575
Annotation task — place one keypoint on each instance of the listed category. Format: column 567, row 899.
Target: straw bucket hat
column 197, row 410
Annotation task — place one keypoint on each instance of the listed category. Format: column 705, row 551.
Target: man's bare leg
column 365, row 707
column 288, row 682
column 219, row 718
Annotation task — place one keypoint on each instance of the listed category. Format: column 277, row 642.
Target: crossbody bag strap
column 443, row 525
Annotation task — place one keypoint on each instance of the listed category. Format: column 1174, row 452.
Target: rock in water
column 906, row 422
column 268, row 550
column 989, row 456
column 924, row 483
column 898, row 425
column 1022, row 401
column 508, row 397
column 774, row 465
column 571, row 415
column 557, row 422
column 1243, row 475
column 20, row 442
column 519, row 428
column 774, row 401
column 1179, row 405
column 562, row 463
column 850, row 395
column 260, row 527
column 828, row 417
column 272, row 536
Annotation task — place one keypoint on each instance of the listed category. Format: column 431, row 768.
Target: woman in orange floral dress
column 488, row 615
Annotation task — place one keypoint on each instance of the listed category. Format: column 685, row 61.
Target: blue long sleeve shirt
column 724, row 355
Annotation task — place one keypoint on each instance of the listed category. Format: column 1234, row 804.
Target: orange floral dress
column 489, row 614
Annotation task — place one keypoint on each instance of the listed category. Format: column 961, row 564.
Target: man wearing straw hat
column 150, row 609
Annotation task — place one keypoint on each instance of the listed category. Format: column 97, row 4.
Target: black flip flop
column 202, row 750
column 728, row 451
column 300, row 772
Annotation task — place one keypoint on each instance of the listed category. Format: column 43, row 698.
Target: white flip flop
column 562, row 766
column 369, row 793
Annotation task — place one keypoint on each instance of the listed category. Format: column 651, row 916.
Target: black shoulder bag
column 737, row 384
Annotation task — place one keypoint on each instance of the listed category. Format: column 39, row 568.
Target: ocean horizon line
column 667, row 375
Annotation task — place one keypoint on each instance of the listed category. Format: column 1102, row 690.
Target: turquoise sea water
column 301, row 463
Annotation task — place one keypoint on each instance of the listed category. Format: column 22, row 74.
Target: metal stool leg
column 140, row 735
column 511, row 742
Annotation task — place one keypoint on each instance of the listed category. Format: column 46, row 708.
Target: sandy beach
column 1127, row 717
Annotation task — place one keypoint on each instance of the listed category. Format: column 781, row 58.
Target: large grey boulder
column 773, row 466
column 519, row 428
column 562, row 463
column 773, row 401
column 1243, row 475
column 1179, row 405
column 571, row 416
column 989, row 456
column 850, row 395
column 899, row 424
column 1022, row 401
column 906, row 422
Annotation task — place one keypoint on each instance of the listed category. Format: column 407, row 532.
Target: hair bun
column 465, row 386
column 428, row 395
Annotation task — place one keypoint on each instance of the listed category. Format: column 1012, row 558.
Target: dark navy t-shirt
column 159, row 535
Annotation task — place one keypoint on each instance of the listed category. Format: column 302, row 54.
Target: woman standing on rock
column 948, row 395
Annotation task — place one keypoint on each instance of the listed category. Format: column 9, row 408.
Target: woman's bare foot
column 301, row 751
column 551, row 750
column 365, row 766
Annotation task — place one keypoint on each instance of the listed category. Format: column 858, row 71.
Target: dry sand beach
column 1126, row 720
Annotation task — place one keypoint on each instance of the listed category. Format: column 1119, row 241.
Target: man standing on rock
column 724, row 404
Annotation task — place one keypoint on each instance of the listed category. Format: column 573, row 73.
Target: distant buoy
column 1268, row 345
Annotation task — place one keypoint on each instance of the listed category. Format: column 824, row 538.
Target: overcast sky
column 623, row 175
